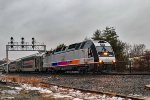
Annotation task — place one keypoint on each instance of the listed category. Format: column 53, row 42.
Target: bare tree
column 147, row 59
column 137, row 50
column 127, row 49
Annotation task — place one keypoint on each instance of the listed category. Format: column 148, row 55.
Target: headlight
column 105, row 53
column 100, row 61
column 114, row 61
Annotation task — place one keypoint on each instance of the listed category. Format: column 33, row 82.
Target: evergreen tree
column 61, row 46
column 97, row 35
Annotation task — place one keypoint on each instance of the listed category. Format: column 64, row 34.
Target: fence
column 132, row 67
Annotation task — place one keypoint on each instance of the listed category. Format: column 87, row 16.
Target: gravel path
column 133, row 85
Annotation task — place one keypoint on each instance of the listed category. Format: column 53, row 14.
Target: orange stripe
column 76, row 61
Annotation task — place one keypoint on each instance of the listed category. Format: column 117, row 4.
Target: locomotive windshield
column 105, row 51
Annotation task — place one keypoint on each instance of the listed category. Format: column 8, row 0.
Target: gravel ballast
column 133, row 85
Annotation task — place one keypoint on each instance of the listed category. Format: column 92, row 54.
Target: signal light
column 22, row 42
column 22, row 38
column 11, row 46
column 11, row 39
column 11, row 42
column 33, row 47
column 33, row 42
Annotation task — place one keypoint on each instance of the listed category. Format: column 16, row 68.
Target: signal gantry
column 24, row 46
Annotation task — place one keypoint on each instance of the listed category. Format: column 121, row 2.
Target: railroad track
column 99, row 92
column 76, row 73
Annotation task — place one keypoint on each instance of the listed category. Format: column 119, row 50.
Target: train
column 85, row 56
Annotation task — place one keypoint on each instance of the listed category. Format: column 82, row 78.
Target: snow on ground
column 41, row 90
column 148, row 85
column 58, row 92
column 7, row 98
column 9, row 92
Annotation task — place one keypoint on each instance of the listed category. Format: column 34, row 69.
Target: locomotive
column 83, row 57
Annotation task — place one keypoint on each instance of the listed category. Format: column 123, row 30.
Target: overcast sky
column 69, row 21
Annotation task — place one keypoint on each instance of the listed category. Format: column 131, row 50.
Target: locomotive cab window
column 77, row 46
column 64, row 48
column 58, row 49
column 71, row 47
column 90, row 54
column 105, row 51
column 82, row 45
column 53, row 51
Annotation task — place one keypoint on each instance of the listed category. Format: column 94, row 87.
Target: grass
column 21, row 79
column 33, row 80
column 5, row 88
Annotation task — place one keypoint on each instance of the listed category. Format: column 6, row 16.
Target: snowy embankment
column 50, row 91
column 57, row 92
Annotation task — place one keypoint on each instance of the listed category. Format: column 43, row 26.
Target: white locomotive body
column 86, row 55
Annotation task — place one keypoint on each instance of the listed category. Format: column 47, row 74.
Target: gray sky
column 56, row 21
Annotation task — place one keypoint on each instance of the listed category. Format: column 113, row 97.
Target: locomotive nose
column 107, row 60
